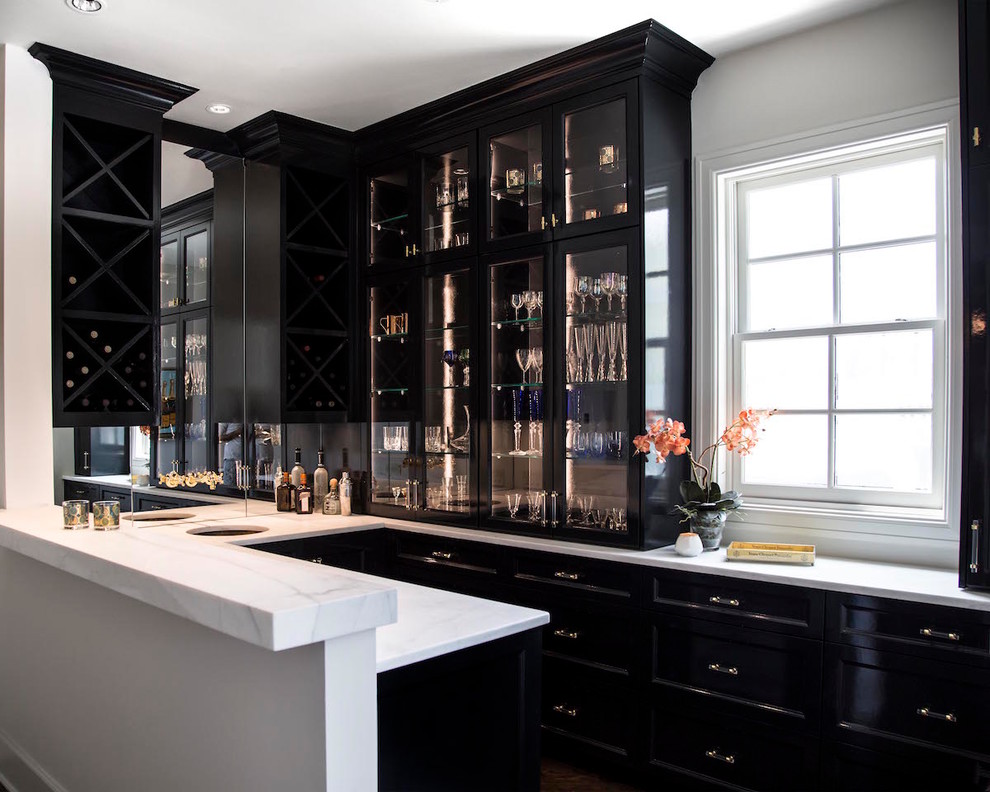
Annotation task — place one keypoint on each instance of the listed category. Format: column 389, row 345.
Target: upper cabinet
column 528, row 248
column 106, row 163
column 974, row 79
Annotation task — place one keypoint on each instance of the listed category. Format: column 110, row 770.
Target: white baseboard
column 21, row 772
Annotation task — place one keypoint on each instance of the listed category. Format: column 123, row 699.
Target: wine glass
column 517, row 302
column 464, row 358
column 610, row 285
column 596, row 292
column 602, row 348
column 514, row 499
column 450, row 358
column 529, row 297
column 533, row 500
column 623, row 290
column 396, row 492
column 536, row 361
column 584, row 289
column 581, row 347
column 539, row 301
column 523, row 358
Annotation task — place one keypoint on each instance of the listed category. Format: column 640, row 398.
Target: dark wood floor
column 557, row 776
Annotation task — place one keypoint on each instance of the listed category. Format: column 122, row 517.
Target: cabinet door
column 450, row 392
column 596, row 482
column 975, row 22
column 196, row 266
column 170, row 294
column 519, row 376
column 396, row 325
column 448, row 190
column 517, row 203
column 168, row 450
column 196, row 394
column 596, row 154
column 974, row 545
column 394, row 213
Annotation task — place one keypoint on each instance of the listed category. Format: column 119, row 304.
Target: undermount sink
column 226, row 530
column 161, row 516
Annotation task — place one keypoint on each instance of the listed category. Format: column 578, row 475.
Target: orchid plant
column 702, row 493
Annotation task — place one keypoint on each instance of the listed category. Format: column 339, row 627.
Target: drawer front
column 149, row 503
column 732, row 751
column 560, row 573
column 123, row 497
column 597, row 637
column 912, row 628
column 463, row 566
column 752, row 672
column 768, row 606
column 584, row 705
column 850, row 767
column 880, row 694
column 76, row 491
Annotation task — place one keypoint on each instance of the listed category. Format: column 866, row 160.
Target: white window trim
column 910, row 535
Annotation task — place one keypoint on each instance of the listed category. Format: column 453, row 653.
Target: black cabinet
column 359, row 551
column 974, row 80
column 105, row 225
column 76, row 490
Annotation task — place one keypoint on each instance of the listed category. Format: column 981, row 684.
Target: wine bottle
column 297, row 469
column 304, row 496
column 320, row 483
column 285, row 500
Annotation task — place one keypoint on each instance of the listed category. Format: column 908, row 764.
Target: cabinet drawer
column 600, row 638
column 767, row 606
column 850, row 767
column 606, row 582
column 122, row 496
column 732, row 751
column 76, row 491
column 584, row 704
column 750, row 672
column 902, row 698
column 434, row 559
column 912, row 628
column 152, row 503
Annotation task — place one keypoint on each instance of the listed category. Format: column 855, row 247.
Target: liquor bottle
column 345, row 494
column 297, row 469
column 320, row 483
column 331, row 506
column 285, row 495
column 304, row 497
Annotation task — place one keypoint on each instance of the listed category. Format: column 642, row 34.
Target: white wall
column 26, row 457
column 896, row 57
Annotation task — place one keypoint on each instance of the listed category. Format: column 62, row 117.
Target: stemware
column 464, row 358
column 623, row 352
column 533, row 501
column 536, row 362
column 516, row 300
column 584, row 289
column 539, row 301
column 529, row 298
column 612, row 341
column 602, row 347
column 623, row 290
column 597, row 444
column 450, row 358
column 581, row 347
column 514, row 500
column 517, row 405
column 610, row 285
column 596, row 292
column 396, row 492
column 524, row 359
column 462, row 489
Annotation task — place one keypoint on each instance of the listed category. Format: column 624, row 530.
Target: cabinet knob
column 719, row 669
column 563, row 709
column 931, row 632
column 948, row 717
column 733, row 603
column 543, row 223
column 714, row 754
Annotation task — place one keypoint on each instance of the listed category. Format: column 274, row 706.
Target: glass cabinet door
column 196, row 407
column 167, row 450
column 596, row 160
column 519, row 440
column 448, row 392
column 446, row 198
column 596, row 408
column 394, row 465
column 196, row 251
column 517, row 198
column 392, row 236
column 169, row 294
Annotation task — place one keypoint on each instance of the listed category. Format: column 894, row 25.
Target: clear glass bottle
column 297, row 469
column 331, row 506
column 321, row 484
column 285, row 495
column 346, row 488
column 304, row 497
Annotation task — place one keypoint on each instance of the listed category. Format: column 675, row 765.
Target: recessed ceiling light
column 85, row 6
column 218, row 108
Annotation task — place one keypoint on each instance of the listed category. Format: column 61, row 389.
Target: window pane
column 789, row 293
column 793, row 451
column 886, row 284
column 786, row 374
column 792, row 218
column 892, row 202
column 884, row 370
column 891, row 452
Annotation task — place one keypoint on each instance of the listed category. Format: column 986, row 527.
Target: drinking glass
column 602, row 347
column 536, row 361
column 433, row 435
column 623, row 290
column 402, row 438
column 610, row 285
column 584, row 289
column 514, row 500
column 450, row 358
column 464, row 358
column 573, row 367
column 75, row 514
column 612, row 342
column 587, row 503
column 396, row 492
column 581, row 347
column 517, row 302
column 524, row 360
column 387, row 438
column 596, row 292
column 539, row 301
column 597, row 444
column 462, row 481
column 623, row 352
column 529, row 297
column 617, row 443
column 580, row 442
column 534, row 501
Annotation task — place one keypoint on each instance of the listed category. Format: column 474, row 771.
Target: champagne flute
column 536, row 359
column 596, row 292
column 514, row 500
column 623, row 290
column 623, row 352
column 612, row 340
column 602, row 348
column 581, row 347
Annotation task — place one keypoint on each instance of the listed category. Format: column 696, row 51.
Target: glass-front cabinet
column 395, row 413
column 519, row 365
column 185, row 268
column 393, row 233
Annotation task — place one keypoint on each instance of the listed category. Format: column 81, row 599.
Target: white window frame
column 773, row 513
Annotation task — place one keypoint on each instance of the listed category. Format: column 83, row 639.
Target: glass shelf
column 534, row 323
column 456, row 454
column 443, row 225
column 383, row 336
column 597, row 384
column 593, row 460
column 520, row 455
column 517, row 385
column 448, row 388
column 594, row 167
column 581, row 193
column 380, row 391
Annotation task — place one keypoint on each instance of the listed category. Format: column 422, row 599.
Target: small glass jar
column 106, row 515
column 75, row 514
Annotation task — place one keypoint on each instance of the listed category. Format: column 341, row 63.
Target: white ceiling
column 352, row 63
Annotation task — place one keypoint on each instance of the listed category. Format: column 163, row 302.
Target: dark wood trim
column 287, row 139
column 189, row 210
column 109, row 80
column 198, row 137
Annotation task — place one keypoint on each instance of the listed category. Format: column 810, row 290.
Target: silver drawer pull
column 570, row 634
column 567, row 575
column 948, row 717
column 727, row 758
column 442, row 555
column 731, row 670
column 724, row 601
column 930, row 632
column 563, row 709
column 317, row 560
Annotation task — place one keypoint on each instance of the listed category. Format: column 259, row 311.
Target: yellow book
column 772, row 552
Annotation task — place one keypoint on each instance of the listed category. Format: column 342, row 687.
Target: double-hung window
column 837, row 294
